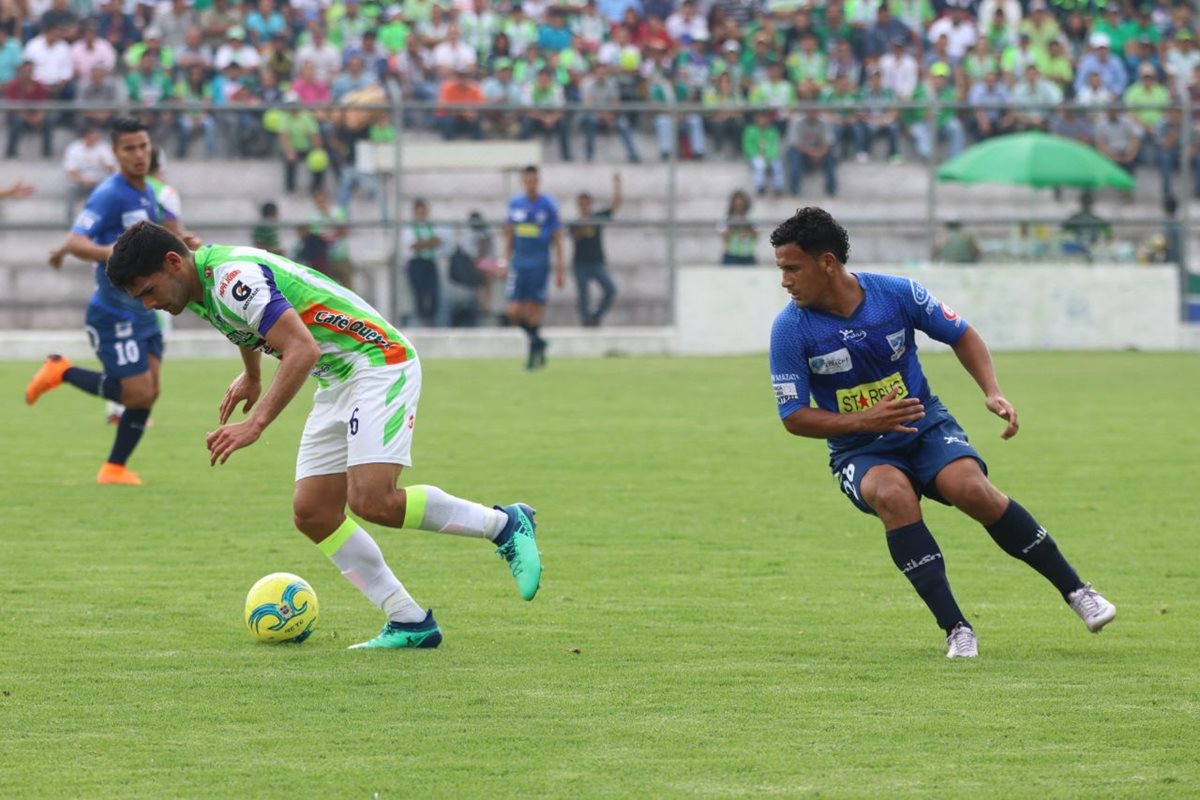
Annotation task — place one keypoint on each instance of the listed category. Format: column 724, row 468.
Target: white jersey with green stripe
column 246, row 290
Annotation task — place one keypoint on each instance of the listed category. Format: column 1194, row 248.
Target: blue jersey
column 113, row 206
column 847, row 365
column 533, row 221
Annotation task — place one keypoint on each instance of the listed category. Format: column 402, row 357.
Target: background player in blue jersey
column 846, row 341
column 533, row 226
column 125, row 335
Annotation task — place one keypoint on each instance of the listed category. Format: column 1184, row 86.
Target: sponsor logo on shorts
column 896, row 342
column 955, row 440
column 861, row 397
column 831, row 363
column 785, row 392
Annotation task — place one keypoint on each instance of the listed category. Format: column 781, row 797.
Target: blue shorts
column 528, row 284
column 921, row 460
column 122, row 343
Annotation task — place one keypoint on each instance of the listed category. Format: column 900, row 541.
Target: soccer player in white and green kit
column 358, row 436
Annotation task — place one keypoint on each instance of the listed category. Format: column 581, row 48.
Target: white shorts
column 368, row 419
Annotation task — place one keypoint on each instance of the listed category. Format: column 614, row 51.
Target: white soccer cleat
column 1092, row 608
column 961, row 643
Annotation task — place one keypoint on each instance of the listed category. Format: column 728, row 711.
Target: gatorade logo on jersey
column 865, row 395
column 240, row 292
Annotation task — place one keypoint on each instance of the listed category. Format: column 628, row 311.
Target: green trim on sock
column 414, row 507
column 393, row 425
column 334, row 541
column 396, row 387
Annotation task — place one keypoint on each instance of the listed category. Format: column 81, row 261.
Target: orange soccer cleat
column 117, row 474
column 49, row 376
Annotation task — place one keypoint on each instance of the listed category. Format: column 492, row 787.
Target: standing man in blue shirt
column 533, row 226
column 846, row 341
column 124, row 334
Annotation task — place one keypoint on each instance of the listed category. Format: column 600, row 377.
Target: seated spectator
column 478, row 27
column 1118, row 137
column 546, row 112
column 193, row 52
column 24, row 89
column 1100, row 59
column 1170, row 145
column 452, row 54
column 1056, row 66
column 842, row 117
column 354, row 78
column 499, row 89
column 320, row 51
column 553, row 34
column 878, row 116
column 264, row 21
column 599, row 89
column 53, row 68
column 1182, row 59
column 1041, row 26
column 807, row 67
column 86, row 161
column 10, row 55
column 265, row 235
column 666, row 90
column 309, row 88
column 299, row 135
column 1070, row 124
column 884, row 30
column 687, row 21
column 98, row 95
column 1147, row 101
column 115, row 26
column 991, row 113
column 216, row 21
column 899, row 69
column 775, row 93
column 725, row 114
column 236, row 48
column 1086, row 228
column 91, row 51
column 1033, row 99
column 1094, row 94
column 1017, row 57
column 979, row 61
column 760, row 146
column 174, row 19
column 151, row 43
column 192, row 91
column 462, row 89
column 61, row 16
column 958, row 26
column 347, row 31
column 375, row 59
column 811, row 144
column 956, row 246
column 279, row 59
column 947, row 127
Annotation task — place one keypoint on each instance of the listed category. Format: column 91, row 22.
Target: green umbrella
column 1035, row 159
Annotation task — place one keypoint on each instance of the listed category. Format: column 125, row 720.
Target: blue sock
column 129, row 433
column 917, row 555
column 96, row 383
column 1020, row 535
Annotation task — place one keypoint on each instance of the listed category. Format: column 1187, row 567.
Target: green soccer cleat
column 395, row 635
column 516, row 545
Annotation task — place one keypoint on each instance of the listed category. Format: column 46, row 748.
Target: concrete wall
column 728, row 311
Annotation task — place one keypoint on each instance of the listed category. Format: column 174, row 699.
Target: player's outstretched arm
column 889, row 415
column 298, row 353
column 245, row 387
column 973, row 353
column 83, row 248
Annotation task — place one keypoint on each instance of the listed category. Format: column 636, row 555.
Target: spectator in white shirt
column 91, row 51
column 452, row 54
column 52, row 67
column 236, row 48
column 686, row 22
column 321, row 52
column 959, row 28
column 900, row 70
column 174, row 18
column 87, row 161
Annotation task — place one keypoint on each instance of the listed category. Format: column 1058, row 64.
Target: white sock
column 358, row 557
column 444, row 513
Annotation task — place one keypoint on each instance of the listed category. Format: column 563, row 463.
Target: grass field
column 715, row 619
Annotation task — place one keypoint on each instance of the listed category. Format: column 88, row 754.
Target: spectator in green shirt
column 1147, row 101
column 739, row 237
column 946, row 125
column 299, row 135
column 760, row 146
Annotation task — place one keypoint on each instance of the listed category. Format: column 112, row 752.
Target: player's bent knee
column 891, row 496
column 977, row 496
column 314, row 523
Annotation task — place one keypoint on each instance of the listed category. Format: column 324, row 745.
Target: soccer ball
column 281, row 607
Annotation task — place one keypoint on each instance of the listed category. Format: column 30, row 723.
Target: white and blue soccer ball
column 281, row 607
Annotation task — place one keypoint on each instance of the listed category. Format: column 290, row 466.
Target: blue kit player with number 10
column 846, row 342
column 125, row 335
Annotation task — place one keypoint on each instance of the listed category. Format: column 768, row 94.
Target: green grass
column 715, row 618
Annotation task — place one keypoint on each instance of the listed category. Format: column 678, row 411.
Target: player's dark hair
column 268, row 210
column 140, row 252
column 815, row 232
column 529, row 169
column 156, row 159
column 126, row 124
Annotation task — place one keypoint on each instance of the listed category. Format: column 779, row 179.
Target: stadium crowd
column 563, row 70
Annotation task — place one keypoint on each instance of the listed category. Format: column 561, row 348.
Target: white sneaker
column 961, row 643
column 1092, row 608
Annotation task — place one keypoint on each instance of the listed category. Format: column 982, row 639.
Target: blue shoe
column 516, row 545
column 424, row 634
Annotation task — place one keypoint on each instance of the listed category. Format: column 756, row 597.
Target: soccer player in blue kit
column 125, row 336
column 533, row 227
column 846, row 341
